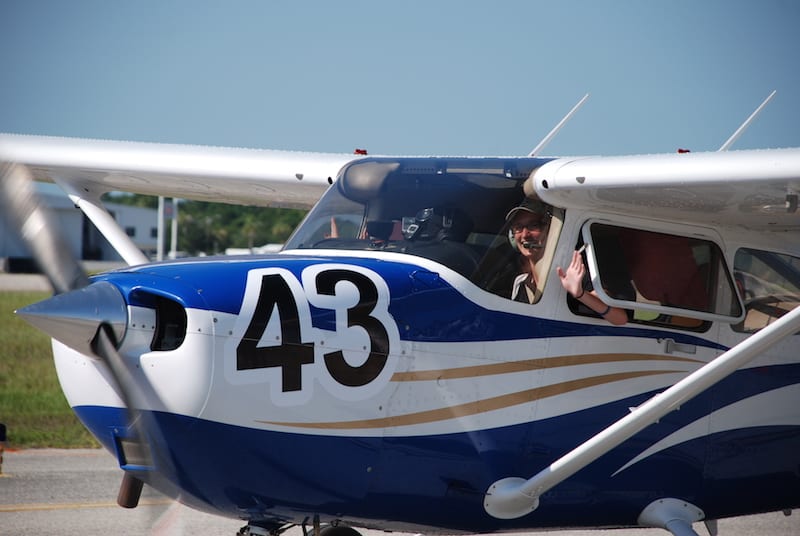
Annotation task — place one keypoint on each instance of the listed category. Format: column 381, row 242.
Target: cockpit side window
column 769, row 284
column 662, row 279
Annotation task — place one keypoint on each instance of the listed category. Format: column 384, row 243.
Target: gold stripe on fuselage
column 476, row 407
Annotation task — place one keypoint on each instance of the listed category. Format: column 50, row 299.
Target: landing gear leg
column 673, row 515
column 272, row 530
column 317, row 530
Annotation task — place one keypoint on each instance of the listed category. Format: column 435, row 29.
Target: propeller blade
column 104, row 345
column 38, row 230
column 90, row 318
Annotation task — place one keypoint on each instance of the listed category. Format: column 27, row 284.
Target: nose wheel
column 339, row 530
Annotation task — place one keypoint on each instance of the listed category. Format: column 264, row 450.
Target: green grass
column 32, row 406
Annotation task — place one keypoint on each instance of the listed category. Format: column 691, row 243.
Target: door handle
column 670, row 347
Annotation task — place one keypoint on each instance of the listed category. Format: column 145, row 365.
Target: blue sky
column 412, row 77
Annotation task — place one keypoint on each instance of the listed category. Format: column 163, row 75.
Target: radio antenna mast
column 555, row 130
column 741, row 129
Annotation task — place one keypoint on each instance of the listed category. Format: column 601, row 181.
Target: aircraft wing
column 241, row 176
column 756, row 189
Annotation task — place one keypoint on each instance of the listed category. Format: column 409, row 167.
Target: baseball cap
column 534, row 206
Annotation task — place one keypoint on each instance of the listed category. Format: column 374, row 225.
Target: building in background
column 139, row 223
column 85, row 241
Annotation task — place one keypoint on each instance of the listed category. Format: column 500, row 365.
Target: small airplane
column 376, row 373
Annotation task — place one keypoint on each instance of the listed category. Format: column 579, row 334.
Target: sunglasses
column 530, row 226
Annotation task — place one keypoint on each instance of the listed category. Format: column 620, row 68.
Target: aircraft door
column 675, row 288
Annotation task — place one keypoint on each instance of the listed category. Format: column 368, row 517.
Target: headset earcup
column 512, row 241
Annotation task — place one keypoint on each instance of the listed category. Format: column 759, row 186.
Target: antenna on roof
column 555, row 130
column 741, row 129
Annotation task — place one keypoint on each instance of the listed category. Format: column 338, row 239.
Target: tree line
column 211, row 228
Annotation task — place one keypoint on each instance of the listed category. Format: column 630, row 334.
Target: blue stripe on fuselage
column 425, row 308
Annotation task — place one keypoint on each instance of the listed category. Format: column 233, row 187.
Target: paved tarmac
column 73, row 492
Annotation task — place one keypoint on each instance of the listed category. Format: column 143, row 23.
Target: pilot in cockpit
column 529, row 224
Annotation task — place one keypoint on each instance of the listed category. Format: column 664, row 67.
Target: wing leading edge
column 233, row 175
column 756, row 189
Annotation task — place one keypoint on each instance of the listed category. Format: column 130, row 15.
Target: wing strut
column 741, row 129
column 105, row 223
column 552, row 133
column 513, row 497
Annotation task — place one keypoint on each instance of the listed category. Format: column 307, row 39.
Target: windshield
column 448, row 210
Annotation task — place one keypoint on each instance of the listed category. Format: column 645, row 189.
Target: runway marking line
column 39, row 507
